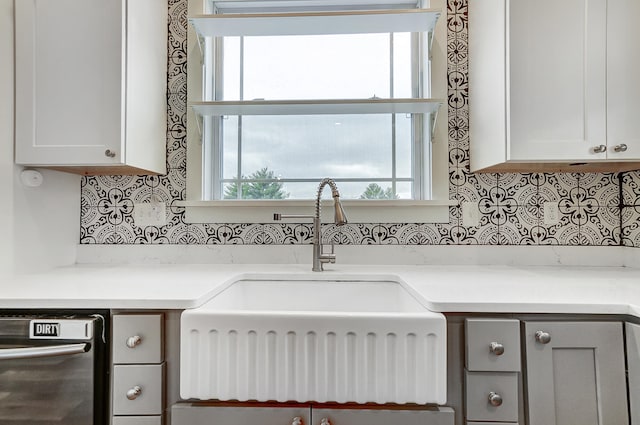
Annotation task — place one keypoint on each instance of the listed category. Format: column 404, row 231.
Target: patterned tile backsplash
column 594, row 209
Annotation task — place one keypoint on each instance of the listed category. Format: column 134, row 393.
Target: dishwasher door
column 49, row 370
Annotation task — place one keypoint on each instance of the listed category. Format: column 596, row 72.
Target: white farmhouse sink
column 310, row 339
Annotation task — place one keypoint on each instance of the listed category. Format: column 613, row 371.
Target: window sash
column 212, row 110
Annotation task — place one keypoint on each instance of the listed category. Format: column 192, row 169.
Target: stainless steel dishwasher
column 53, row 369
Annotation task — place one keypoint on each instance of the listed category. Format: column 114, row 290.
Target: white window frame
column 434, row 210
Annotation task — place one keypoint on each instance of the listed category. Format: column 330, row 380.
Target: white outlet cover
column 470, row 214
column 149, row 214
column 551, row 213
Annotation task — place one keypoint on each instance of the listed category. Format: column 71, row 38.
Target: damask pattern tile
column 407, row 234
column 602, row 190
column 177, row 28
column 631, row 188
column 631, row 226
column 602, row 227
column 510, row 205
column 233, row 234
column 350, row 234
column 286, row 234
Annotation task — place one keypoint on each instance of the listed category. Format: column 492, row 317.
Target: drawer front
column 491, row 423
column 137, row 389
column 188, row 414
column 492, row 345
column 137, row 338
column 484, row 387
column 433, row 416
column 136, row 420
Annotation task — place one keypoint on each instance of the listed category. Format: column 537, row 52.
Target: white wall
column 39, row 227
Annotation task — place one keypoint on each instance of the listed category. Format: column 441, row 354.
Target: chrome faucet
column 319, row 257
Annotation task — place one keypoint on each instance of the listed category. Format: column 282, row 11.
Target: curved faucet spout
column 340, row 217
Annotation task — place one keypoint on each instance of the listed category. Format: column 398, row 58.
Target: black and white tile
column 595, row 209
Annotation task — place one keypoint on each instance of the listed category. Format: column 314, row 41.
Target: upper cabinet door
column 575, row 373
column 557, row 88
column 553, row 85
column 68, row 81
column 623, row 84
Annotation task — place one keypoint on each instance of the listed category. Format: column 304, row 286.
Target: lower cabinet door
column 434, row 416
column 633, row 365
column 190, row 414
column 575, row 373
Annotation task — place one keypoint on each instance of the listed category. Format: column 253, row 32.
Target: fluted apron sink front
column 338, row 340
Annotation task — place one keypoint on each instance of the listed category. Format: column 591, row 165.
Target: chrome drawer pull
column 496, row 348
column 134, row 392
column 134, row 341
column 325, row 421
column 297, row 421
column 620, row 148
column 495, row 399
column 599, row 149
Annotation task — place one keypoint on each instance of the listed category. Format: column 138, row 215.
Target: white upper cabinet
column 553, row 85
column 91, row 78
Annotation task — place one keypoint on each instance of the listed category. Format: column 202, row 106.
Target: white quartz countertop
column 444, row 288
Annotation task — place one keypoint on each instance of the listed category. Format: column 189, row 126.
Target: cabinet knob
column 134, row 392
column 543, row 337
column 495, row 399
column 325, row 421
column 134, row 341
column 109, row 153
column 496, row 348
column 297, row 421
column 620, row 148
column 599, row 149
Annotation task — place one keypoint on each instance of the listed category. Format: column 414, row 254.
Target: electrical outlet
column 550, row 213
column 149, row 214
column 470, row 214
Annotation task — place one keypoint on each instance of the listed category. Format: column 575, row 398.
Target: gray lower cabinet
column 633, row 368
column 575, row 373
column 194, row 414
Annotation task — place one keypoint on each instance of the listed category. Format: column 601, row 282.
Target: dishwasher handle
column 48, row 351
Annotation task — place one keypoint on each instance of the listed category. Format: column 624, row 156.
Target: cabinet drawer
column 136, row 420
column 481, row 386
column 188, row 414
column 491, row 423
column 137, row 389
column 137, row 338
column 432, row 416
column 492, row 345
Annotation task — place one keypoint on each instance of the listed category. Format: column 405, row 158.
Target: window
column 289, row 92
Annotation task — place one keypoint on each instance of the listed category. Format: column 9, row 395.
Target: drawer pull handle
column 134, row 341
column 297, row 421
column 134, row 392
column 495, row 399
column 620, row 148
column 543, row 337
column 599, row 149
column 109, row 153
column 496, row 348
column 325, row 421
